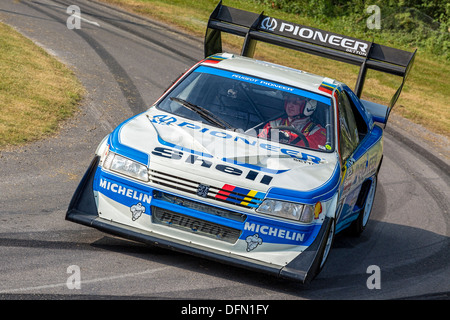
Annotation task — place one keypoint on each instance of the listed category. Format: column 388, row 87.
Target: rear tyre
column 365, row 201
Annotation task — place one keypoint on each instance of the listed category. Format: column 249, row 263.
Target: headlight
column 288, row 210
column 117, row 163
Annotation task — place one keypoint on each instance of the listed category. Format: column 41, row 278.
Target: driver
column 299, row 111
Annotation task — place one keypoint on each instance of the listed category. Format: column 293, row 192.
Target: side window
column 361, row 124
column 348, row 130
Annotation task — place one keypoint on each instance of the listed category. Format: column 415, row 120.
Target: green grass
column 424, row 99
column 37, row 92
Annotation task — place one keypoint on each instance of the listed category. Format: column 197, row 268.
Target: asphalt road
column 125, row 63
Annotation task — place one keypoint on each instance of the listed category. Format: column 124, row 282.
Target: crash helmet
column 299, row 107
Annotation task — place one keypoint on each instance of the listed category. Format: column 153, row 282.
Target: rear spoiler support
column 259, row 27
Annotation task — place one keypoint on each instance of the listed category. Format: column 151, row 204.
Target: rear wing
column 258, row 27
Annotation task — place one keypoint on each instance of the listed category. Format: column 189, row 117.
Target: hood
column 187, row 148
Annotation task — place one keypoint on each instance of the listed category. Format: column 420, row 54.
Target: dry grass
column 36, row 91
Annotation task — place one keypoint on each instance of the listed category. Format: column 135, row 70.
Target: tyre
column 365, row 201
column 325, row 248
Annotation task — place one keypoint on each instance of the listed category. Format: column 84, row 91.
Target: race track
column 125, row 62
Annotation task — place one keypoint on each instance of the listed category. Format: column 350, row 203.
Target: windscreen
column 253, row 106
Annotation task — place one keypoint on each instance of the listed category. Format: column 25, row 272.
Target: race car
column 244, row 161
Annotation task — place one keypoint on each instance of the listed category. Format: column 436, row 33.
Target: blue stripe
column 264, row 83
column 322, row 193
column 369, row 142
column 333, row 86
column 274, row 231
column 121, row 190
column 115, row 145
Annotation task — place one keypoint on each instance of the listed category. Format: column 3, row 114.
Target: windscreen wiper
column 205, row 114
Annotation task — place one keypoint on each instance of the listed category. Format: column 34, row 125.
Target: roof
column 267, row 70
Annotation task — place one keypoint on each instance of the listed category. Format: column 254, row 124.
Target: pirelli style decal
column 245, row 197
column 327, row 87
column 214, row 59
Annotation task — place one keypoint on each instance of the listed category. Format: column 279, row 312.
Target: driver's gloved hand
column 283, row 136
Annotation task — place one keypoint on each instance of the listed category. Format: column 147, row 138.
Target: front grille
column 205, row 208
column 194, row 225
column 244, row 198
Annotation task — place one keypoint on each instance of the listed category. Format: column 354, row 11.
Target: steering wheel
column 300, row 135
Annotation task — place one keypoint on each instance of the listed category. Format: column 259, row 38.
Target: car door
column 352, row 131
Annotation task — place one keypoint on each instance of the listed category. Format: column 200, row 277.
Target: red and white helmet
column 306, row 106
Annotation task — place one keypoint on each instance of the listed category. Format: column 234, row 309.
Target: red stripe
column 212, row 61
column 226, row 190
column 228, row 187
column 325, row 90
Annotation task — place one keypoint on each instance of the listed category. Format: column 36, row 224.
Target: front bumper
column 83, row 210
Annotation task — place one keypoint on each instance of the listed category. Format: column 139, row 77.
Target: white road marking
column 61, row 285
column 86, row 20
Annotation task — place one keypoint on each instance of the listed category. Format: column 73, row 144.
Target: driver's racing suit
column 314, row 133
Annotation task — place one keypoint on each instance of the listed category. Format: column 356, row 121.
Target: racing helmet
column 307, row 107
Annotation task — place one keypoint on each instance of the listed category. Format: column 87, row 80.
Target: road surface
column 125, row 62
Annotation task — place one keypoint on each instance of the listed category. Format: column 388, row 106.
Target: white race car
column 243, row 161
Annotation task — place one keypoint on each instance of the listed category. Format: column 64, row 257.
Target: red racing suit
column 314, row 133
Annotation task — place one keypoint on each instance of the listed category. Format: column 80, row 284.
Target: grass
column 37, row 92
column 424, row 99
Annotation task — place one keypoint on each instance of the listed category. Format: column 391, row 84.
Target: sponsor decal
column 126, row 194
column 136, row 211
column 197, row 226
column 264, row 83
column 327, row 87
column 261, row 82
column 275, row 232
column 202, row 190
column 253, row 241
column 194, row 159
column 245, row 197
column 264, row 147
column 362, row 168
column 214, row 59
column 269, row 24
column 315, row 36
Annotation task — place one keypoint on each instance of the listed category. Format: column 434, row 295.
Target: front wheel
column 325, row 248
column 328, row 244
